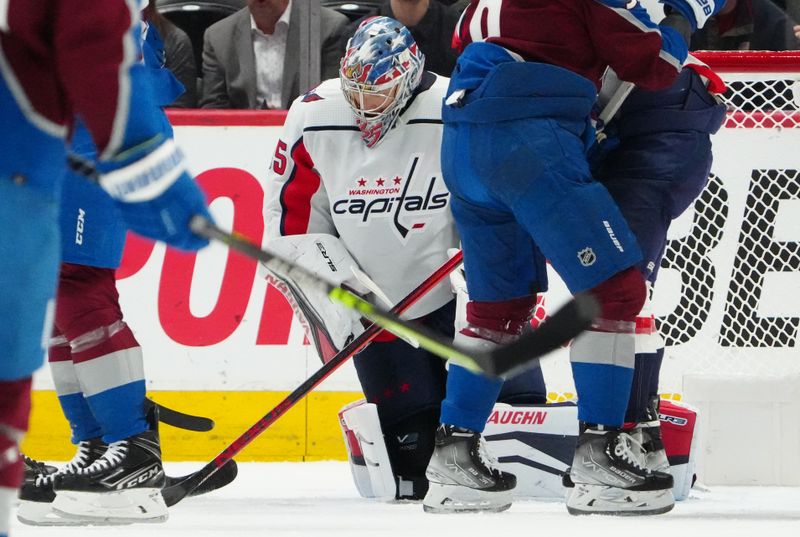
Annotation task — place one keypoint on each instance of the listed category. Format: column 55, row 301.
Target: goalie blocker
column 534, row 442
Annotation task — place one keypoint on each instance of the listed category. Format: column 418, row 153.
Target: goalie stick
column 564, row 325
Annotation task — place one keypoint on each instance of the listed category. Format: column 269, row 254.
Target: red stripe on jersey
column 297, row 192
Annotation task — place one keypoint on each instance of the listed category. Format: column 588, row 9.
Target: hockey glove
column 156, row 195
column 697, row 12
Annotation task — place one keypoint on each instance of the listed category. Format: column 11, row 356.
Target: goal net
column 728, row 296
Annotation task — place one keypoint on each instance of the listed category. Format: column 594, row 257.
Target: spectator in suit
column 250, row 59
column 431, row 24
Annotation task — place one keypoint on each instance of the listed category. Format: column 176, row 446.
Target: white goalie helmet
column 379, row 72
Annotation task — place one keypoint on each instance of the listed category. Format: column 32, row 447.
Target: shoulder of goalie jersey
column 324, row 105
column 427, row 104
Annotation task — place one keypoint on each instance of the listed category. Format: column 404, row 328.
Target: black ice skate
column 37, row 493
column 610, row 474
column 121, row 487
column 463, row 477
column 34, row 469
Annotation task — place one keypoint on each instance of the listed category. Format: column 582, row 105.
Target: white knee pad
column 366, row 451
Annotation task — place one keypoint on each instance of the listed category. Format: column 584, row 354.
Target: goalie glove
column 330, row 326
column 155, row 194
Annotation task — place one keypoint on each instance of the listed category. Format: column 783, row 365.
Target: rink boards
column 218, row 342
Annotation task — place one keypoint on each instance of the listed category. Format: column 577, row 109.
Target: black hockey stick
column 181, row 420
column 567, row 323
column 223, row 476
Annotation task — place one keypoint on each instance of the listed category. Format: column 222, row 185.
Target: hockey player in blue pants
column 654, row 159
column 59, row 60
column 513, row 156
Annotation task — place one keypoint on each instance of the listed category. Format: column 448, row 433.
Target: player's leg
column 579, row 229
column 37, row 493
column 658, row 169
column 28, row 263
column 108, row 366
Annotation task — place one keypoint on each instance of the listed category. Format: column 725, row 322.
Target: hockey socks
column 101, row 386
column 602, row 366
column 470, row 398
column 644, row 385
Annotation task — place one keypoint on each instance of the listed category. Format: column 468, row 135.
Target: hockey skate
column 648, row 434
column 34, row 468
column 610, row 474
column 37, row 493
column 121, row 487
column 463, row 477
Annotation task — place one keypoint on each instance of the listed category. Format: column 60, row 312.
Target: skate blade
column 604, row 500
column 459, row 499
column 42, row 514
column 132, row 506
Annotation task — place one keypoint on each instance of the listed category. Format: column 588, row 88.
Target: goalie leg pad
column 679, row 434
column 534, row 442
column 366, row 451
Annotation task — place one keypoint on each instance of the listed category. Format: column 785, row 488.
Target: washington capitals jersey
column 388, row 204
column 584, row 36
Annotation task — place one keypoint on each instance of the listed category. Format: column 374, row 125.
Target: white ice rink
column 319, row 499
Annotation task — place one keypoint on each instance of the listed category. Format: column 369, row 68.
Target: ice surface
column 319, row 499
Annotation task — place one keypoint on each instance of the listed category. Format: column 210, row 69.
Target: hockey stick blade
column 564, row 325
column 186, row 484
column 174, row 491
column 180, row 420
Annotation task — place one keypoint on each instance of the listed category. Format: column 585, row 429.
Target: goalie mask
column 379, row 72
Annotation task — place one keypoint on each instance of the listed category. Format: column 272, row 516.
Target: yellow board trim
column 308, row 432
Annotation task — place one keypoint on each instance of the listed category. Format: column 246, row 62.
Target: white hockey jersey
column 387, row 204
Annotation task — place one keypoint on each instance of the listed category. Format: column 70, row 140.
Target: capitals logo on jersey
column 409, row 206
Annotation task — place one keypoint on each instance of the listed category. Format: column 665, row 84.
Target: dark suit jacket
column 229, row 71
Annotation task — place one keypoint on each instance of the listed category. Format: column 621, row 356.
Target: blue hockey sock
column 602, row 366
column 120, row 411
column 81, row 420
column 470, row 398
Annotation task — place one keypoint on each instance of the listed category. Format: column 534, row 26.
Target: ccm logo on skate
column 675, row 420
column 146, row 475
column 517, row 417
